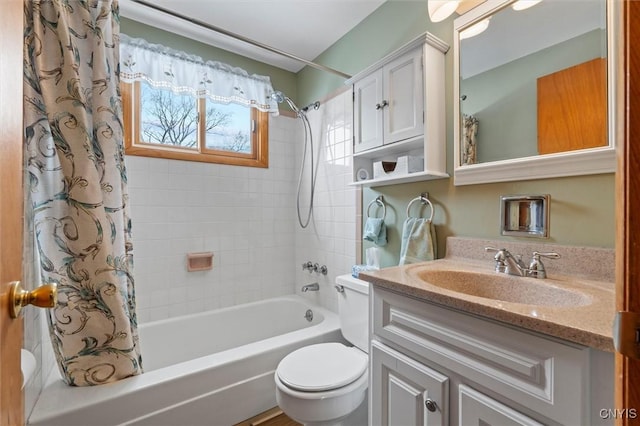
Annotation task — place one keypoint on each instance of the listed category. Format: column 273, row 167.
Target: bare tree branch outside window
column 167, row 118
column 172, row 119
column 233, row 136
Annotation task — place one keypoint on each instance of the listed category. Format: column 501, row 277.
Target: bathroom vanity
column 509, row 350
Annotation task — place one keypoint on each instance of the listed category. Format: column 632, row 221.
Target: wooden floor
column 273, row 417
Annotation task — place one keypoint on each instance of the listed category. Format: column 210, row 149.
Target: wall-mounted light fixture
column 440, row 10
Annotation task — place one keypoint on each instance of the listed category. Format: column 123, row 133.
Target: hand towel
column 418, row 241
column 375, row 230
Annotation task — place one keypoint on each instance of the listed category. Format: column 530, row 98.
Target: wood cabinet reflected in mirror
column 572, row 108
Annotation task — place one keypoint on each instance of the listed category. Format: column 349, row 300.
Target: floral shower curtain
column 76, row 186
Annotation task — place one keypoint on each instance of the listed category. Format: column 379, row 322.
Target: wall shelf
column 394, row 180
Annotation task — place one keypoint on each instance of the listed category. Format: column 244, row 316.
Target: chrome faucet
column 507, row 263
column 310, row 287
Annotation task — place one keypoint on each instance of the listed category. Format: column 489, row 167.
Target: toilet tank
column 353, row 307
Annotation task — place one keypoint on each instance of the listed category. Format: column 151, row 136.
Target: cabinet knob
column 382, row 105
column 431, row 405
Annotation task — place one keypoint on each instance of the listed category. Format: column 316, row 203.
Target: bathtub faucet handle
column 320, row 269
column 307, row 266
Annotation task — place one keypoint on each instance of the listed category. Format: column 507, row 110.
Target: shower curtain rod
column 242, row 38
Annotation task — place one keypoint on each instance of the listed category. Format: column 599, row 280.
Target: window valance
column 182, row 72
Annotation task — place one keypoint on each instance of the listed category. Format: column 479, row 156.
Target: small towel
column 418, row 241
column 375, row 230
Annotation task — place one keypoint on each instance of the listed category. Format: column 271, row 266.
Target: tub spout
column 312, row 287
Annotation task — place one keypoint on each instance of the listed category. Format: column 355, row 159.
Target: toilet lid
column 322, row 367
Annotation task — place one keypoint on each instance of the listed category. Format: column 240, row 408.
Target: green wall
column 393, row 24
column 582, row 208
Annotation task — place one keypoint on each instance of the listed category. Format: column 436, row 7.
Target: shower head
column 278, row 96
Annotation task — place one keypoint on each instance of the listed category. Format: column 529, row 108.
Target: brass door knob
column 45, row 296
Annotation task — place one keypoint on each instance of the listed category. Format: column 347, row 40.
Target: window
column 176, row 105
column 160, row 123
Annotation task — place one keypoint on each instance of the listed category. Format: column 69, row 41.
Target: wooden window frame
column 259, row 156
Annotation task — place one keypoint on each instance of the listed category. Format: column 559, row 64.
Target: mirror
column 533, row 91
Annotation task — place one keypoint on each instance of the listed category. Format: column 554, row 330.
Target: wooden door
column 628, row 212
column 11, row 397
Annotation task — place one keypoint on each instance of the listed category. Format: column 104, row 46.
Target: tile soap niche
column 525, row 215
column 201, row 261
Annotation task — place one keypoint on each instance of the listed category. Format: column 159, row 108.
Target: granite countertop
column 576, row 309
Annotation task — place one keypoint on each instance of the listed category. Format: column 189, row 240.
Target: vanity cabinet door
column 476, row 408
column 368, row 112
column 403, row 97
column 404, row 391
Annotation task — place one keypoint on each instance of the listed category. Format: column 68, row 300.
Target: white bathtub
column 212, row 368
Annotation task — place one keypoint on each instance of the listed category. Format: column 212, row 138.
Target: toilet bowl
column 326, row 384
column 323, row 384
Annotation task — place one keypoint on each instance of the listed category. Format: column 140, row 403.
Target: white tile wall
column 247, row 218
column 242, row 214
column 330, row 238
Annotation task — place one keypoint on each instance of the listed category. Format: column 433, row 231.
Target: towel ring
column 380, row 201
column 424, row 200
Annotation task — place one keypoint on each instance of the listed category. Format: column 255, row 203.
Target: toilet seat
column 322, row 367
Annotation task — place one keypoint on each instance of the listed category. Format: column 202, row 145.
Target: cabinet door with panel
column 367, row 113
column 403, row 102
column 389, row 103
column 404, row 391
column 476, row 408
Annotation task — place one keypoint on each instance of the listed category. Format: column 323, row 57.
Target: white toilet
column 326, row 384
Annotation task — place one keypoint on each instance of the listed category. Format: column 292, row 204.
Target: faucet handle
column 536, row 267
column 549, row 255
column 500, row 253
column 492, row 249
column 500, row 258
